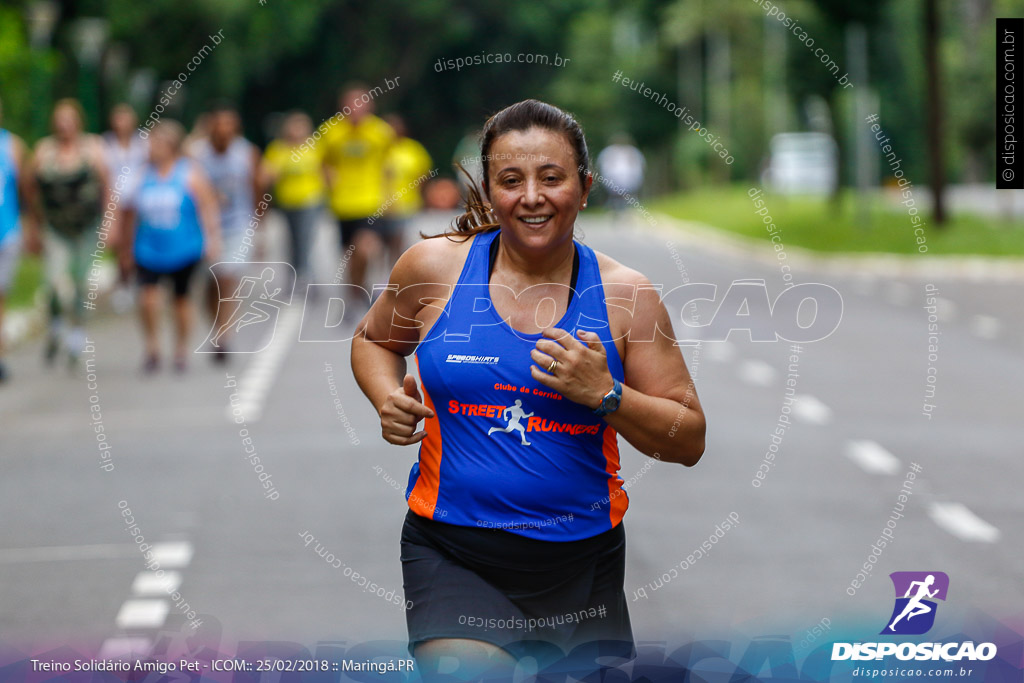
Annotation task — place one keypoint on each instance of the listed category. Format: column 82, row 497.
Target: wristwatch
column 610, row 402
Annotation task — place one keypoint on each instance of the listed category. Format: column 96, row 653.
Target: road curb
column 965, row 268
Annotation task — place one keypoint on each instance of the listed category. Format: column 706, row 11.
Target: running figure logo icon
column 255, row 300
column 914, row 612
column 513, row 414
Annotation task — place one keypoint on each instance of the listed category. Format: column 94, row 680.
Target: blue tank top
column 9, row 224
column 504, row 451
column 169, row 236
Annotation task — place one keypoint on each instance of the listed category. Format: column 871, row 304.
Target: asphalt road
column 71, row 575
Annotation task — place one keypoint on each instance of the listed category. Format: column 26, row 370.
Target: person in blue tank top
column 170, row 223
column 12, row 158
column 529, row 374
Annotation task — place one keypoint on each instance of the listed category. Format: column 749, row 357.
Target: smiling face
column 534, row 188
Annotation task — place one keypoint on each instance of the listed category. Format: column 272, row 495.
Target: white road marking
column 132, row 420
column 958, row 520
column 810, row 409
column 124, row 648
column 146, row 613
column 68, row 553
column 142, row 612
column 985, row 326
column 172, row 554
column 259, row 375
column 872, row 457
column 148, row 583
column 753, row 371
column 721, row 351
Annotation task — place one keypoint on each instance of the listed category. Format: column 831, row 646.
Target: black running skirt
column 496, row 586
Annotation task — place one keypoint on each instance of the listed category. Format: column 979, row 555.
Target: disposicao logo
column 918, row 591
column 912, row 615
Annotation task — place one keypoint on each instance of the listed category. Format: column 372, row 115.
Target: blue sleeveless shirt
column 504, row 451
column 169, row 236
column 9, row 224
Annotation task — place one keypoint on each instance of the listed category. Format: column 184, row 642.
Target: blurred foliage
column 803, row 219
column 713, row 57
column 20, row 68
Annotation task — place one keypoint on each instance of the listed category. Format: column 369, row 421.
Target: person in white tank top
column 127, row 153
column 231, row 163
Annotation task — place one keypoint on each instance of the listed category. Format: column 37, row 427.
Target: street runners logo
column 513, row 414
column 258, row 293
column 916, row 588
column 914, row 614
column 513, row 417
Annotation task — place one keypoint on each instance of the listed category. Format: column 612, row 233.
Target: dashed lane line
column 957, row 519
column 756, row 372
column 258, row 377
column 985, row 326
column 872, row 457
column 142, row 610
column 954, row 518
column 142, row 613
column 151, row 583
column 810, row 409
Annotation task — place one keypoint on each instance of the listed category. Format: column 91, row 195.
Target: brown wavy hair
column 477, row 215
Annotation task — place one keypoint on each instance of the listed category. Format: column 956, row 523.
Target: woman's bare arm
column 390, row 331
column 208, row 210
column 660, row 413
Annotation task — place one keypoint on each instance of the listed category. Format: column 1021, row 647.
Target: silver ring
column 551, row 368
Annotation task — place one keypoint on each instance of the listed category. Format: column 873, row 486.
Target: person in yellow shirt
column 298, row 186
column 407, row 167
column 355, row 145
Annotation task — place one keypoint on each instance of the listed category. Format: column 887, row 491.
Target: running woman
column 507, row 522
column 12, row 160
column 70, row 177
column 176, row 211
column 231, row 163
